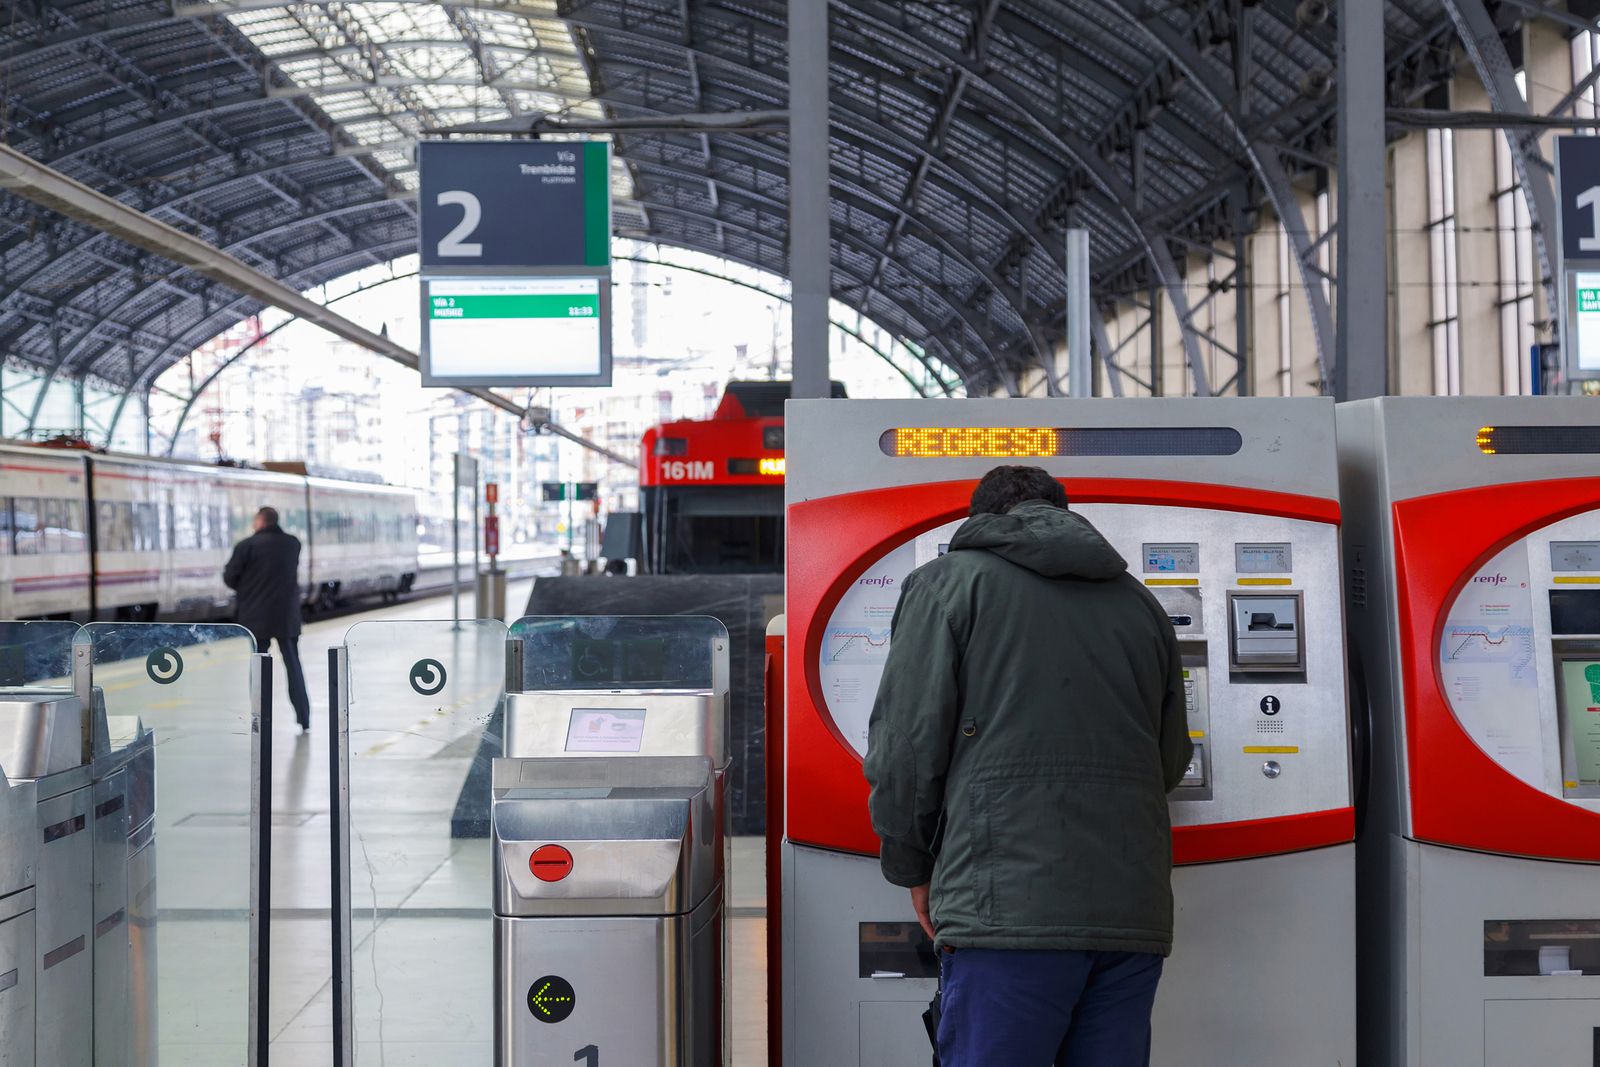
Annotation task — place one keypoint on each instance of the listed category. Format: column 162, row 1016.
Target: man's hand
column 919, row 904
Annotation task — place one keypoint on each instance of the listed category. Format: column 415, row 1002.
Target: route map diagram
column 856, row 646
column 1506, row 648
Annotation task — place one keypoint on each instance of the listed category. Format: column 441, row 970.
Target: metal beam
column 1481, row 39
column 55, row 191
column 1265, row 161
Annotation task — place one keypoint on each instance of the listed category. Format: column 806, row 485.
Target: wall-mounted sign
column 1578, row 245
column 515, row 241
column 520, row 331
column 515, row 204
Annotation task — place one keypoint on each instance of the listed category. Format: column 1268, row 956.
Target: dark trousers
column 289, row 650
column 1029, row 1008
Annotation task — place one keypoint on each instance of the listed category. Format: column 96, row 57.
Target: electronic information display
column 605, row 730
column 1580, row 703
column 529, row 331
column 1275, row 558
column 1019, row 442
column 1172, row 558
column 1575, row 555
column 1585, row 297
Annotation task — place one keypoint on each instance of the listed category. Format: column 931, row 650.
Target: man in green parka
column 1027, row 730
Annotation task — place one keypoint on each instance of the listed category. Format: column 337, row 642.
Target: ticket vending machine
column 1228, row 511
column 1472, row 555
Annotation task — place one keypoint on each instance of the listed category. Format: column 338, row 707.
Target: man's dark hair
column 268, row 516
column 1005, row 487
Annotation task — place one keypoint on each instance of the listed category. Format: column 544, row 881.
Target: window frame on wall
column 1444, row 281
column 1516, row 275
column 1285, row 310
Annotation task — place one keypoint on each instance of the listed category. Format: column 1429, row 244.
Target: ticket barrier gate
column 608, row 844
column 124, row 896
column 19, row 854
column 47, row 740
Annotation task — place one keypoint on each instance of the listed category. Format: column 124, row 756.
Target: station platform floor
column 423, row 970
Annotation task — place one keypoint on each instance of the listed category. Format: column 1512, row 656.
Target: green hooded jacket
column 1027, row 730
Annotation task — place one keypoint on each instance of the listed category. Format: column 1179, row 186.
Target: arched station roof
column 966, row 135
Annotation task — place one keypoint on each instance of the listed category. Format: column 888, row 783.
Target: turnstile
column 608, row 842
column 140, row 1037
column 45, row 738
column 608, row 909
column 19, row 853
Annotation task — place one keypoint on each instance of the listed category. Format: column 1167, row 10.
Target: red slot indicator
column 550, row 863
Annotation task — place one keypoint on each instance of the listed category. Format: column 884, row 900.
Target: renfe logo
column 681, row 470
column 1491, row 579
column 881, row 581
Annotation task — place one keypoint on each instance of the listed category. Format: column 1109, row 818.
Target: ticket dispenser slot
column 1196, row 783
column 1266, row 633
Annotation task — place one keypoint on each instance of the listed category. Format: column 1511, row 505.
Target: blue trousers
column 1026, row 1008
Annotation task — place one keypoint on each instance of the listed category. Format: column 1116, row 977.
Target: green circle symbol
column 427, row 676
column 164, row 666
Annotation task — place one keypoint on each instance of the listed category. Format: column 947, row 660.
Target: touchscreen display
column 1180, row 558
column 605, row 730
column 1580, row 702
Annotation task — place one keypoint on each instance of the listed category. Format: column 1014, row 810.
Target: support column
column 1361, row 366
column 1244, row 340
column 1080, row 380
column 1157, row 386
column 810, row 264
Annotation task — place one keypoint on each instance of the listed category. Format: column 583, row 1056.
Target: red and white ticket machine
column 1228, row 510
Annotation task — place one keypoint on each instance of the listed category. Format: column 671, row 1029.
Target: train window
column 25, row 524
column 146, row 528
column 114, row 526
column 53, row 521
column 77, row 531
column 185, row 528
column 5, row 526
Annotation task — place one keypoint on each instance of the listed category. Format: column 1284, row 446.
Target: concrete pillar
column 810, row 264
column 1362, row 364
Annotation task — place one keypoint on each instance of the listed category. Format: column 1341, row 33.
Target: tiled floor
column 422, row 979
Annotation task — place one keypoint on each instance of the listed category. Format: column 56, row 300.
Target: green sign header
column 515, row 306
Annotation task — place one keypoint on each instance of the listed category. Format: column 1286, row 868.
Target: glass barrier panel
column 620, row 651
column 425, row 705
column 37, row 653
column 175, row 783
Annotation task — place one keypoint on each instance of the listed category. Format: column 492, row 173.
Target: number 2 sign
column 514, row 205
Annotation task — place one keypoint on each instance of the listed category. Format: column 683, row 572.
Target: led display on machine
column 1019, row 442
column 1538, row 440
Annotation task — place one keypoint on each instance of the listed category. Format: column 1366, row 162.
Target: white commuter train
column 88, row 535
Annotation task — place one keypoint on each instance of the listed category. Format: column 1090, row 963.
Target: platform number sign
column 515, row 205
column 1578, row 174
column 454, row 245
column 1578, row 269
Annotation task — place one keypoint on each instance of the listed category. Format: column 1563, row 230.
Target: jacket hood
column 1045, row 539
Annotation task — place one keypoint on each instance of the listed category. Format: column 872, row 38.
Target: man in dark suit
column 264, row 572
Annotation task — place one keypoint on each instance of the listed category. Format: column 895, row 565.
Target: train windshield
column 712, row 529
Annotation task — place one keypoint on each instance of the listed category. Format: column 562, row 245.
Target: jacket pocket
column 1087, row 849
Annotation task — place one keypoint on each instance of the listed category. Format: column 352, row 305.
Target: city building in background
column 273, row 389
